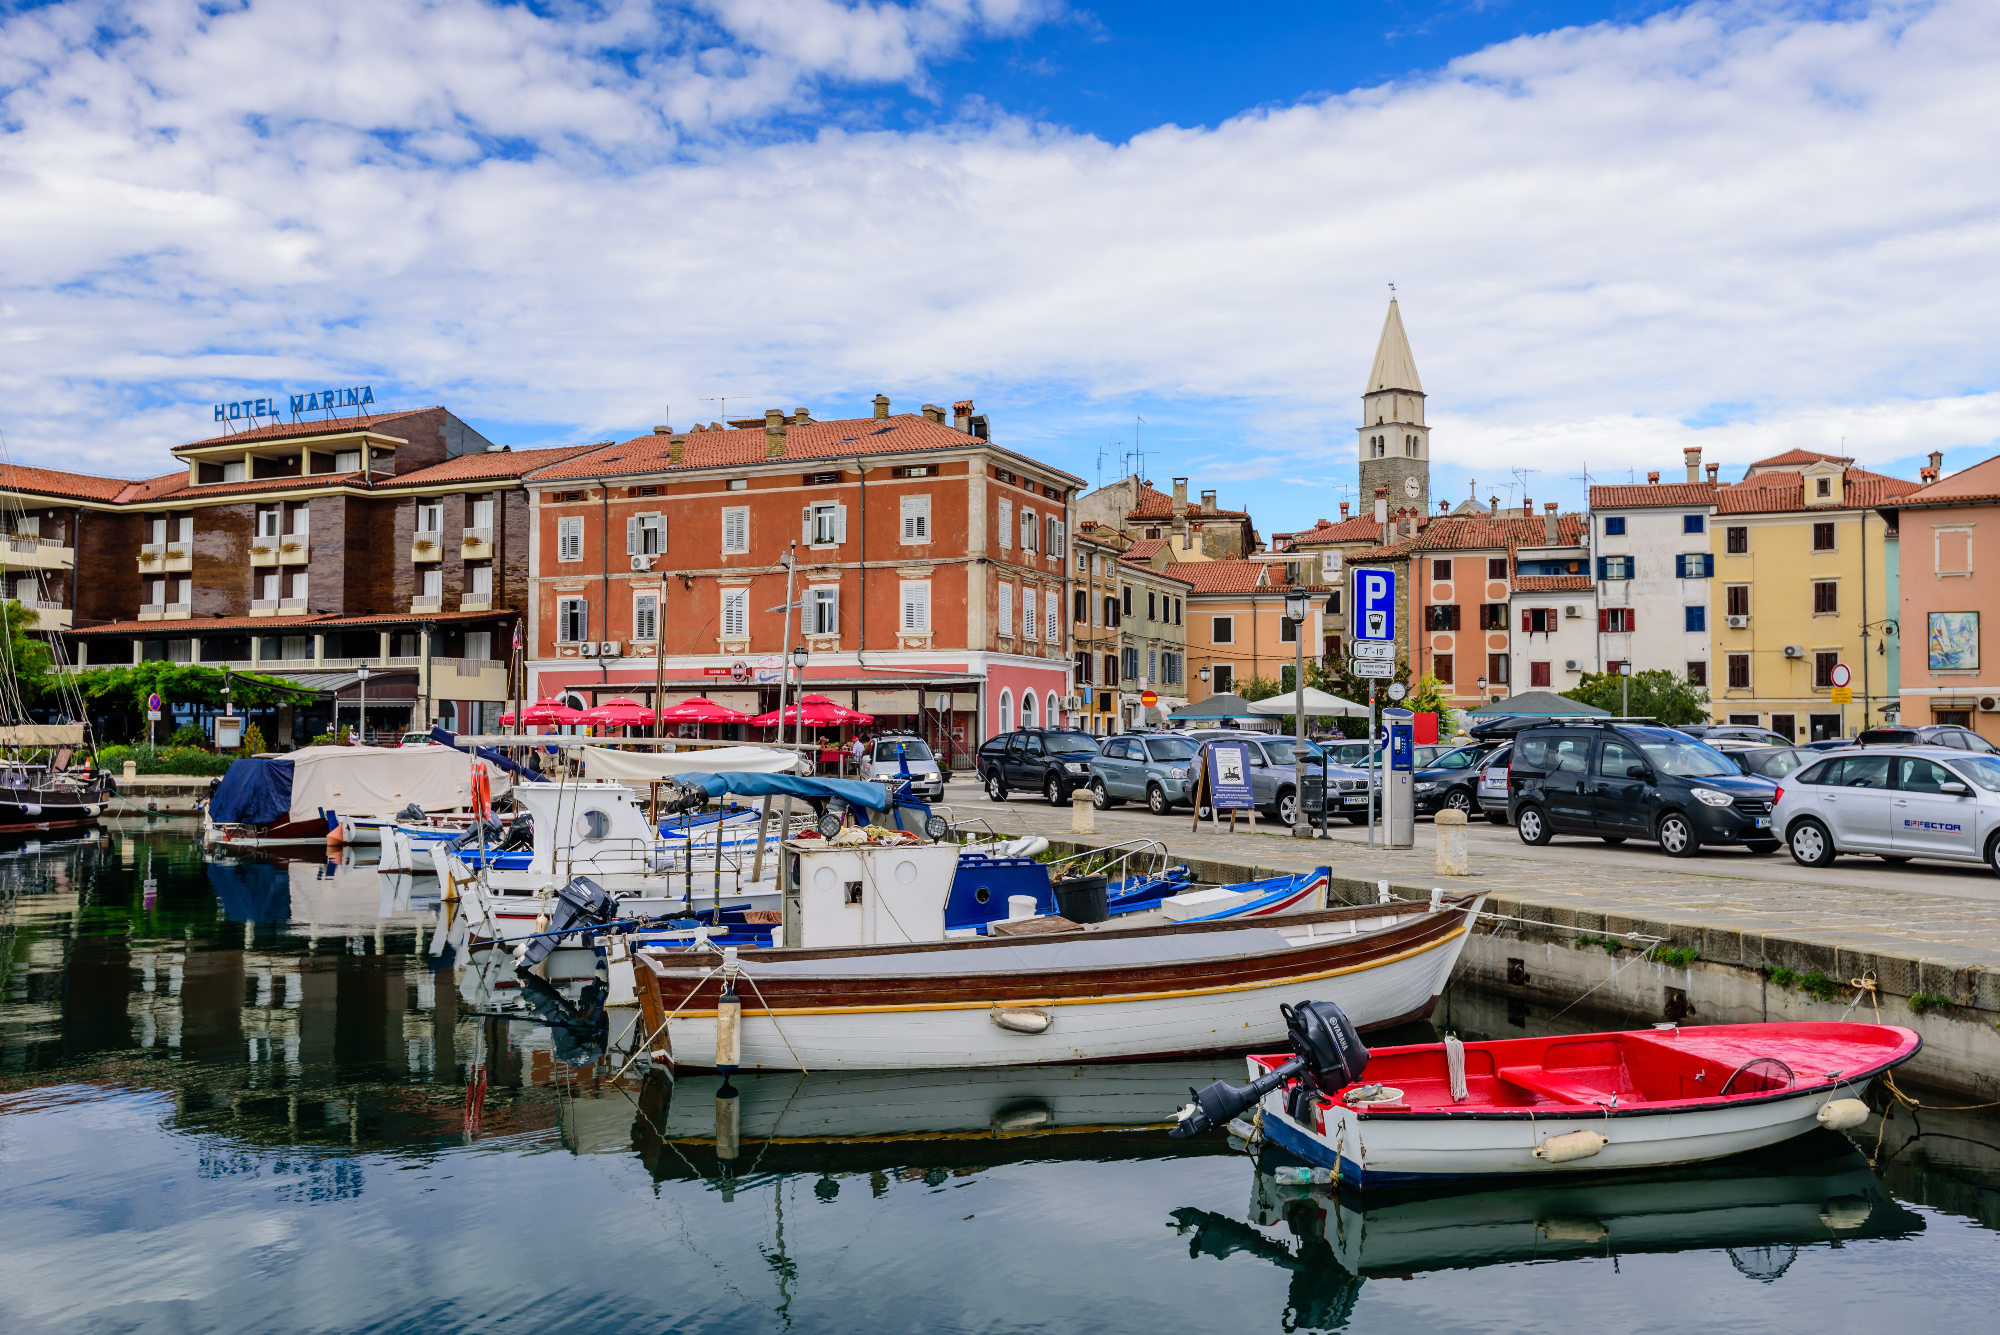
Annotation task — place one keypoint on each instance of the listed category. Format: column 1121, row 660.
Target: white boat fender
column 1841, row 1114
column 728, row 1017
column 1022, row 1019
column 1575, row 1145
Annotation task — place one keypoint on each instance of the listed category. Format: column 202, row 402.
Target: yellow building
column 1799, row 588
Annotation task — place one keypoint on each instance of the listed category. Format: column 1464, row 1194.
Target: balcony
column 468, row 679
column 292, row 607
column 166, row 611
column 263, row 607
column 48, row 616
column 426, row 547
column 157, row 557
column 477, row 544
column 294, row 552
column 476, row 602
column 24, row 551
column 264, row 552
column 433, row 604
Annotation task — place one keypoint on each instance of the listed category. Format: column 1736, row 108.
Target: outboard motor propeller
column 1326, row 1049
column 580, row 905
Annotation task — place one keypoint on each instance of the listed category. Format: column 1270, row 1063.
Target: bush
column 168, row 760
column 189, row 735
column 253, row 740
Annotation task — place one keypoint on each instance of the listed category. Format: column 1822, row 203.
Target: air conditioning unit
column 1795, row 651
column 1572, row 665
column 1989, row 704
column 612, row 648
column 1075, row 702
column 642, row 563
column 1739, row 623
column 1571, row 611
column 588, row 648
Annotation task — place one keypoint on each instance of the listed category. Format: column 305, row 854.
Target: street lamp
column 1625, row 690
column 361, row 736
column 1296, row 605
column 799, row 656
column 1482, row 690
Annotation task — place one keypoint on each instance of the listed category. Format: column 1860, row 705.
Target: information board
column 1229, row 777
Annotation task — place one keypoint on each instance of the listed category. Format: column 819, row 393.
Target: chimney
column 677, row 450
column 1343, row 512
column 1493, row 506
column 961, row 415
column 1382, row 512
column 1549, row 523
column 1444, row 507
column 1713, row 469
column 1208, row 501
column 1937, row 463
column 1527, row 507
column 881, row 406
column 774, row 433
column 802, row 417
column 1653, row 479
column 933, row 413
column 1692, row 455
column 663, row 431
column 1180, row 497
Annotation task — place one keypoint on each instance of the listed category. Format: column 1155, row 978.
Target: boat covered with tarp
column 302, row 796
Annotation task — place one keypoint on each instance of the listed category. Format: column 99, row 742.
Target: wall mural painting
column 1954, row 641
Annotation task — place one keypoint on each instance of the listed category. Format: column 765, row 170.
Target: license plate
column 1354, row 801
column 1762, row 822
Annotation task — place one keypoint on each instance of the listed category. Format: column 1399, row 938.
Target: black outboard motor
column 1327, row 1051
column 412, row 813
column 520, row 835
column 580, row 905
column 677, row 797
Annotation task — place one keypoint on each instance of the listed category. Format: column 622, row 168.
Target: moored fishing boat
column 1562, row 1104
column 301, row 796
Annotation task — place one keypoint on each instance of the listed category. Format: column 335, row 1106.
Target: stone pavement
column 1913, row 942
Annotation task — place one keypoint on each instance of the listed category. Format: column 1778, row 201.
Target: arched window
column 1006, row 711
column 1053, row 712
column 1027, row 709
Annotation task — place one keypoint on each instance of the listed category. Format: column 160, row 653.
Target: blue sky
column 1616, row 230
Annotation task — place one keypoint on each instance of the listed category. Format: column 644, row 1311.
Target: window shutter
column 806, row 526
column 1603, row 567
column 632, row 537
column 1006, row 526
column 916, row 607
column 1603, row 620
column 1708, row 565
column 840, row 522
column 1524, row 620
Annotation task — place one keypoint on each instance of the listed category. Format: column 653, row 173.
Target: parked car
column 1621, row 781
column 1050, row 761
column 1771, row 762
column 1896, row 803
column 1270, row 762
column 1928, row 734
column 1493, row 784
column 1736, row 732
column 1451, row 780
column 1157, row 769
column 886, row 758
column 1350, row 753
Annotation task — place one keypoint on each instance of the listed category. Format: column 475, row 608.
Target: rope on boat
column 1865, row 987
column 647, row 1046
column 774, row 1015
column 1561, row 927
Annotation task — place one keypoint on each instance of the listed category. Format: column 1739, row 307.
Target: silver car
column 1269, row 756
column 1895, row 803
column 1493, row 785
column 1156, row 770
column 887, row 757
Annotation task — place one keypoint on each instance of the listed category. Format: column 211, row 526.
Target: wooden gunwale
column 784, row 994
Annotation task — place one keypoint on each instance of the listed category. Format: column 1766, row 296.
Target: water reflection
column 197, row 1058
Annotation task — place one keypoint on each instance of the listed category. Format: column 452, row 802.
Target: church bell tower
column 1395, row 443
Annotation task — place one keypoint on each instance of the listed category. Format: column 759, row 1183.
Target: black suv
column 1629, row 781
column 1928, row 734
column 1049, row 761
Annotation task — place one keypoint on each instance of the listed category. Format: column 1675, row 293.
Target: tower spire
column 1395, row 367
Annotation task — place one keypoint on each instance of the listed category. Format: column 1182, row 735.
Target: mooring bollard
column 1451, row 856
column 1082, row 812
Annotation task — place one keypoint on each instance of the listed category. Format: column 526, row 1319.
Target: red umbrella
column 544, row 712
column 700, row 709
column 819, row 712
column 618, row 713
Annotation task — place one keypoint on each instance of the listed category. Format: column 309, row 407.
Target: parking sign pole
column 1371, row 762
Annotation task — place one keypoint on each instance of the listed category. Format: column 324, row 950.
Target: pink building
column 1948, row 547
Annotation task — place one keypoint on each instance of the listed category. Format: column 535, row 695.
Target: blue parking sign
column 1374, row 601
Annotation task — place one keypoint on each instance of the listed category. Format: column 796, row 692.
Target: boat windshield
column 1983, row 770
column 909, row 746
column 1688, row 758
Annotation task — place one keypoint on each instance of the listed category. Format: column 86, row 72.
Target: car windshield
column 910, row 746
column 1071, row 743
column 1685, row 757
column 1778, row 764
column 1282, row 751
column 1983, row 770
column 1463, row 758
column 1170, row 748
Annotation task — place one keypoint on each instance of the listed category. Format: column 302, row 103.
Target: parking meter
column 1399, row 783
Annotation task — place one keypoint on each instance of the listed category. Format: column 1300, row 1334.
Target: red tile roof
column 174, row 486
column 1553, row 583
column 1145, row 549
column 484, row 465
column 1238, row 577
column 1653, row 493
column 1156, row 504
column 1446, row 533
column 1361, row 528
column 330, row 426
column 191, row 626
column 50, row 482
column 904, row 433
column 1792, row 497
column 1801, row 457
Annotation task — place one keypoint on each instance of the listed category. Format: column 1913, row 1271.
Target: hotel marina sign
column 317, row 400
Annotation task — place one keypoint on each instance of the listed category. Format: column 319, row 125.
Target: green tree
column 1657, row 694
column 1254, row 689
column 180, row 684
column 26, row 658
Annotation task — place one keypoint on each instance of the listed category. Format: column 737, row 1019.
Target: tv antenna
column 723, row 399
column 1138, row 449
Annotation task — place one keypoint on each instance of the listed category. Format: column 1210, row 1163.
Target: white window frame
column 646, row 616
column 824, row 603
column 567, row 611
column 271, row 583
column 1006, row 609
column 1052, row 618
column 1030, row 624
column 482, row 512
column 479, row 580
column 299, row 585
column 184, row 591
column 1216, row 624
column 569, row 538
column 1052, row 535
column 1006, row 711
column 735, row 530
column 1029, row 529
column 433, row 582
column 646, row 535
column 270, row 518
column 916, row 514
column 1937, row 550
column 430, row 516
column 1005, row 525
column 915, row 597
column 736, row 614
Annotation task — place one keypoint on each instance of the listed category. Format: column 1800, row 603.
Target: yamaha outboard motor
column 580, row 905
column 677, row 797
column 520, row 835
column 412, row 813
column 1327, row 1051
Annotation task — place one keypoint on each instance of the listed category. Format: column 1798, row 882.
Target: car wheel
column 1533, row 826
column 1613, row 838
column 1763, row 846
column 1459, row 800
column 1099, row 798
column 1156, row 800
column 1287, row 807
column 1052, row 789
column 1811, row 845
column 996, row 788
column 1993, row 854
column 1677, row 836
column 1894, row 859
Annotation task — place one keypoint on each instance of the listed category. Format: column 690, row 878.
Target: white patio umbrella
column 1318, row 704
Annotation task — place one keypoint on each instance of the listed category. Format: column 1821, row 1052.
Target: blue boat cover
column 513, row 767
column 252, row 891
column 854, row 792
column 256, row 791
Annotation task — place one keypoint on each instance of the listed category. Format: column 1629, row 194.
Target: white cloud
column 1736, row 226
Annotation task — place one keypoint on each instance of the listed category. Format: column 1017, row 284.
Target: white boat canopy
column 381, row 780
column 643, row 767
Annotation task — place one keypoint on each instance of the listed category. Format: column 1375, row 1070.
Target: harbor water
column 242, row 1095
